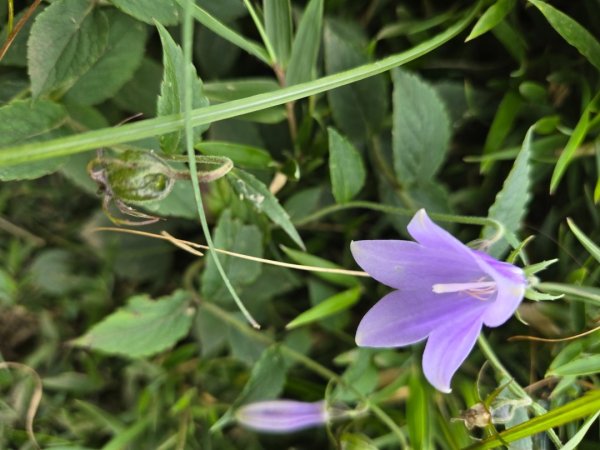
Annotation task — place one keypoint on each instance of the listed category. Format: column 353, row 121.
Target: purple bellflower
column 445, row 292
column 282, row 416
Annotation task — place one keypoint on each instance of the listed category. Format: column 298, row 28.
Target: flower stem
column 187, row 37
column 501, row 230
column 513, row 386
column 310, row 364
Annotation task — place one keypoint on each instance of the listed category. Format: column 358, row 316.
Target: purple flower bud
column 445, row 293
column 281, row 416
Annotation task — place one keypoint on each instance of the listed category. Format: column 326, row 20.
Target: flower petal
column 403, row 318
column 511, row 283
column 407, row 265
column 430, row 235
column 280, row 416
column 448, row 347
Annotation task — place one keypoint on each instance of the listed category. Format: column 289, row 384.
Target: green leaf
column 501, row 126
column 305, row 48
column 359, row 109
column 419, row 419
column 491, row 17
column 230, row 234
column 346, row 168
column 361, row 374
column 589, row 245
column 571, row 31
column 17, row 53
column 23, row 121
column 421, row 129
column 582, row 407
column 116, row 65
column 254, row 191
column 278, row 24
column 578, row 437
column 573, row 143
column 511, row 202
column 66, row 39
column 139, row 94
column 179, row 203
column 151, row 127
column 328, row 307
column 512, row 40
column 241, row 155
column 171, row 92
column 142, row 328
column 164, row 12
column 224, row 91
column 356, row 442
column 266, row 378
column 307, row 259
column 584, row 364
column 587, row 294
column 266, row 382
column 228, row 33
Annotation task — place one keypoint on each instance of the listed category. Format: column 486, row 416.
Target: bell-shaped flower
column 445, row 292
column 281, row 416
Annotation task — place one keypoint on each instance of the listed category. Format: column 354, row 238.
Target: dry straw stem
column 190, row 247
column 539, row 339
column 36, row 397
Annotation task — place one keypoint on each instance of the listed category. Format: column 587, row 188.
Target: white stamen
column 458, row 287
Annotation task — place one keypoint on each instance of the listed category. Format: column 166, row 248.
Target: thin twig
column 185, row 245
column 539, row 339
column 16, row 230
column 36, row 397
column 11, row 37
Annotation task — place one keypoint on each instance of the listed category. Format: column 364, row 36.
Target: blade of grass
column 227, row 33
column 153, row 127
column 187, row 31
column 589, row 245
column 573, row 144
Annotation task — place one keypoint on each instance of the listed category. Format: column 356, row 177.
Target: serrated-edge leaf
column 251, row 189
column 421, row 128
column 491, row 17
column 150, row 127
column 165, row 12
column 120, row 59
column 305, row 48
column 346, row 167
column 170, row 100
column 510, row 205
column 57, row 60
column 113, row 335
column 328, row 307
column 217, row 27
column 310, row 260
column 571, row 31
column 589, row 245
column 25, row 120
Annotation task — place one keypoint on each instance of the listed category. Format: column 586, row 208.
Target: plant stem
column 70, row 145
column 310, row 364
column 513, row 386
column 187, row 30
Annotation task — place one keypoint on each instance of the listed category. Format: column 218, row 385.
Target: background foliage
column 138, row 344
